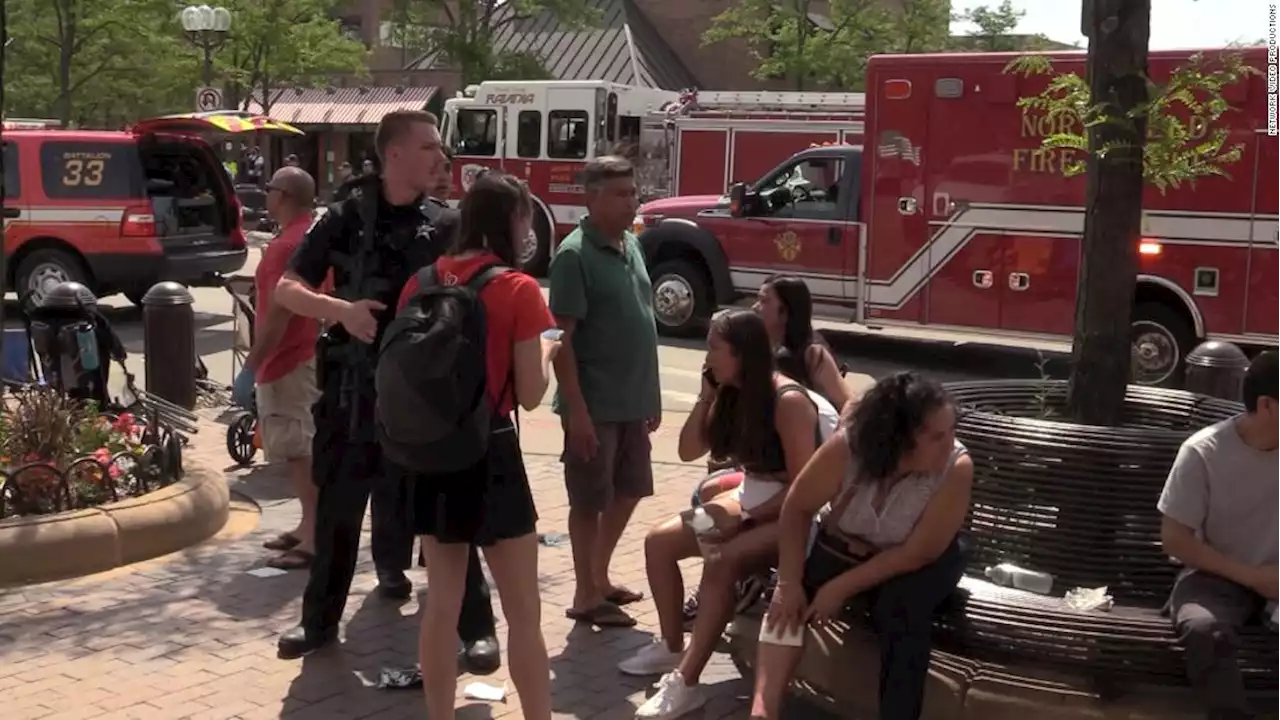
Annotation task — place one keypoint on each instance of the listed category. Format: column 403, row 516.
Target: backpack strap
column 428, row 277
column 484, row 275
column 478, row 281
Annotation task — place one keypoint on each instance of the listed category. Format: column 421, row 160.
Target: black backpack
column 433, row 413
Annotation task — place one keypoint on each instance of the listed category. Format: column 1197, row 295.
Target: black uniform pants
column 349, row 474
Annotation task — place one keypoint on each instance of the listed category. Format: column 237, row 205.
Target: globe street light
column 207, row 28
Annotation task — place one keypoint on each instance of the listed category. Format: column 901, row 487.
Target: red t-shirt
column 298, row 344
column 514, row 312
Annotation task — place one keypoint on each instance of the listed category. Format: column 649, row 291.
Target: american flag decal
column 894, row 144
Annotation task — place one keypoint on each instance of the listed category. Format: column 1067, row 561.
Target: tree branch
column 102, row 66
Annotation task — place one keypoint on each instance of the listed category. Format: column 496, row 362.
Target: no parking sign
column 208, row 99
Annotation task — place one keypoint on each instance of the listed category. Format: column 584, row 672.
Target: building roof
column 622, row 47
column 342, row 106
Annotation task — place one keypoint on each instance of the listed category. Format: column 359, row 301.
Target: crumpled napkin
column 1089, row 599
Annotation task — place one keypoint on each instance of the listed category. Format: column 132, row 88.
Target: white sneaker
column 653, row 659
column 673, row 699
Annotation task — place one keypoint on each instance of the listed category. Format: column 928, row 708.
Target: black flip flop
column 604, row 615
column 623, row 596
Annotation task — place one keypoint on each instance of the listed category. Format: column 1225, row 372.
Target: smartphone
column 710, row 377
column 781, row 635
column 554, row 334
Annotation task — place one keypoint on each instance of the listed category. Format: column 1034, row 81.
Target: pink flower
column 102, row 455
column 125, row 423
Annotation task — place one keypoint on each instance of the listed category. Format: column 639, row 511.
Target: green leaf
column 1185, row 139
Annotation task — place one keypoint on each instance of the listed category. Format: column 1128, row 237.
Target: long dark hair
column 882, row 426
column 797, row 334
column 743, row 415
column 486, row 212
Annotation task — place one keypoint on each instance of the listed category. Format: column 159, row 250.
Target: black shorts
column 481, row 505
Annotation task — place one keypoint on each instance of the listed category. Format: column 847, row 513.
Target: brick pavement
column 193, row 636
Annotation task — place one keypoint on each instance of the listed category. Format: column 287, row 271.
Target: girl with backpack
column 487, row 503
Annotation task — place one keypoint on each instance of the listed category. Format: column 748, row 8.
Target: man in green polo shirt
column 607, row 393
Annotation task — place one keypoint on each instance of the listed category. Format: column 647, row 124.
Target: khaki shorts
column 284, row 411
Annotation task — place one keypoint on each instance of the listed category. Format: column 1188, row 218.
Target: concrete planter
column 81, row 542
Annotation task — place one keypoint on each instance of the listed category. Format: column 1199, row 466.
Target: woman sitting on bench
column 785, row 305
column 898, row 482
column 765, row 423
column 800, row 353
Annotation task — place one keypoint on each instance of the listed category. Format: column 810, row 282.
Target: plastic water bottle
column 1273, row 616
column 1009, row 575
column 704, row 529
column 87, row 347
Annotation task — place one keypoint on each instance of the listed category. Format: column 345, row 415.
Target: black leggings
column 902, row 614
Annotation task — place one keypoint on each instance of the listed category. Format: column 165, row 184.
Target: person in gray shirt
column 1220, row 521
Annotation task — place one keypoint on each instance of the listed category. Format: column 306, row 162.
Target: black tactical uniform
column 346, row 460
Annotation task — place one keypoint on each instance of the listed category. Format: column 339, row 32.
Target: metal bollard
column 1216, row 369
column 169, row 343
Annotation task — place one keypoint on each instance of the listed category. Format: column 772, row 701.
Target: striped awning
column 343, row 106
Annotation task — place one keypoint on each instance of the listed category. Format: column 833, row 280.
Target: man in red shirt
column 282, row 360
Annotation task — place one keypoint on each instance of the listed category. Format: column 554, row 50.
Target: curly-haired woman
column 898, row 482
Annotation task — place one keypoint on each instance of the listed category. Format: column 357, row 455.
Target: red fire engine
column 954, row 217
column 683, row 143
column 719, row 138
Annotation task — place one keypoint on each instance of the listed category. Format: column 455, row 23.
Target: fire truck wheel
column 1161, row 340
column 45, row 269
column 534, row 254
column 681, row 297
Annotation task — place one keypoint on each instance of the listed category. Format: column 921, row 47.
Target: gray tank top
column 854, row 516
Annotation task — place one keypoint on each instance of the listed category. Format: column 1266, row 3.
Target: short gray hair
column 604, row 169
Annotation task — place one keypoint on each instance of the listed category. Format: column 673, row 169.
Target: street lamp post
column 207, row 28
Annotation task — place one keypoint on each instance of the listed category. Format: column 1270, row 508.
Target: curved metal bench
column 1078, row 502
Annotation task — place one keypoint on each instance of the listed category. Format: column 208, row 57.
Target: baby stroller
column 244, row 439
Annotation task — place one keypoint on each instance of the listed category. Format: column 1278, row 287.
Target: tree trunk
column 1118, row 32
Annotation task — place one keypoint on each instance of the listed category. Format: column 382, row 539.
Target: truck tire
column 681, row 297
column 43, row 269
column 535, row 254
column 1161, row 339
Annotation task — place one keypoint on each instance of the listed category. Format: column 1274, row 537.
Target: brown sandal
column 292, row 559
column 283, row 541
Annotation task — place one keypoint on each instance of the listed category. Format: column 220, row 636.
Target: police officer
column 372, row 242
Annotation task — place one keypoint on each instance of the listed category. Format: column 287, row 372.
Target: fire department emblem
column 788, row 245
column 469, row 175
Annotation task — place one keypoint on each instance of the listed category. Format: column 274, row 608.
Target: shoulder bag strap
column 817, row 422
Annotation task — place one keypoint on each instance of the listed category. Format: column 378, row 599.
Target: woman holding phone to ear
column 765, row 423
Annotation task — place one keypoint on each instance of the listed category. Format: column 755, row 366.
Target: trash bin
column 169, row 343
column 1217, row 369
